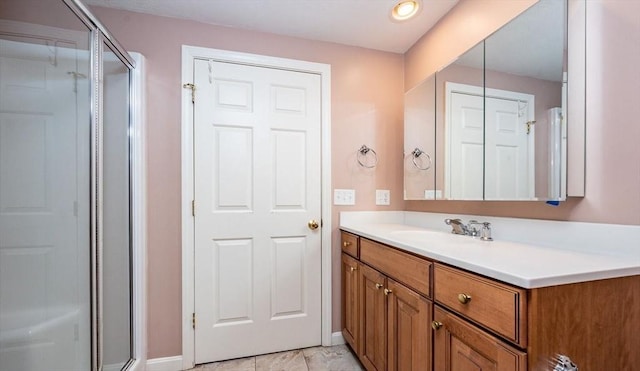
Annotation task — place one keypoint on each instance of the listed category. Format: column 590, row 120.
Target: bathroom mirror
column 460, row 127
column 525, row 86
column 419, row 141
column 500, row 115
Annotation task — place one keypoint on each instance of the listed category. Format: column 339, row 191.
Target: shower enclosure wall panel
column 71, row 193
column 44, row 201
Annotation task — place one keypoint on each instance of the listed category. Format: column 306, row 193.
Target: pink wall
column 613, row 127
column 367, row 93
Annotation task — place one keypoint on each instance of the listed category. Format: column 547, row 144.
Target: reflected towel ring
column 362, row 154
column 416, row 155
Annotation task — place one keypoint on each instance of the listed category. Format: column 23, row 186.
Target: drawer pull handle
column 352, row 268
column 387, row 291
column 436, row 325
column 464, row 298
column 346, row 244
column 378, row 286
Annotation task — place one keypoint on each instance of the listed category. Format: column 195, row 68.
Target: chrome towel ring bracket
column 417, row 153
column 363, row 154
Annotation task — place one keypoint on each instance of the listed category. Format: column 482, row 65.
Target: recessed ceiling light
column 405, row 9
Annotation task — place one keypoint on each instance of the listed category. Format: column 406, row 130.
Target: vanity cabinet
column 402, row 311
column 350, row 296
column 373, row 319
column 408, row 315
column 389, row 329
column 498, row 307
column 460, row 344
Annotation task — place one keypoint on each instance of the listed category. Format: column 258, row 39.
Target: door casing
column 189, row 53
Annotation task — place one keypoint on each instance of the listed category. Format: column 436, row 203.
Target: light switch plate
column 383, row 197
column 344, row 196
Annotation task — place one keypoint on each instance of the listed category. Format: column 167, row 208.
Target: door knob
column 313, row 225
column 436, row 325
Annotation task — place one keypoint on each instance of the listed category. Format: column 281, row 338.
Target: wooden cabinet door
column 350, row 301
column 373, row 319
column 458, row 345
column 408, row 329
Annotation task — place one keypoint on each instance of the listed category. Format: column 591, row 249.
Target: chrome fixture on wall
column 367, row 157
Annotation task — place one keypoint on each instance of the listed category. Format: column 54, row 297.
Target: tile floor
column 334, row 358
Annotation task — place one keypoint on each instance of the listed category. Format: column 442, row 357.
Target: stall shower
column 65, row 191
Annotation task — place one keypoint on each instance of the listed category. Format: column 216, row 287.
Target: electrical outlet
column 383, row 197
column 344, row 196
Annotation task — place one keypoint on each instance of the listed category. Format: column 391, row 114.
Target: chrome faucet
column 457, row 226
column 471, row 229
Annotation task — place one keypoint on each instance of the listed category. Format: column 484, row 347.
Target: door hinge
column 529, row 125
column 193, row 207
column 193, row 91
column 193, row 320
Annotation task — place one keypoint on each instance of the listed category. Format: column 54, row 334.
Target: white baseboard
column 337, row 338
column 165, row 364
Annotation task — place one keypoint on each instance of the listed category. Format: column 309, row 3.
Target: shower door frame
column 100, row 36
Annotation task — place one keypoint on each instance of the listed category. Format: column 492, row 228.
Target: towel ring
column 416, row 154
column 362, row 154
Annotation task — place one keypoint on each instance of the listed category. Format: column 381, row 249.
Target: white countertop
column 523, row 265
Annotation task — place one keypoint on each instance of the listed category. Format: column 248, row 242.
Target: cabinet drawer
column 402, row 267
column 459, row 345
column 497, row 306
column 349, row 243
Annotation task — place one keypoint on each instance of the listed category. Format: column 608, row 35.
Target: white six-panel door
column 257, row 185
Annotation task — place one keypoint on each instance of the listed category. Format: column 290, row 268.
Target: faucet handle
column 485, row 233
column 473, row 231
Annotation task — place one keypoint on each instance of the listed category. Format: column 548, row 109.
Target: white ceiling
column 364, row 23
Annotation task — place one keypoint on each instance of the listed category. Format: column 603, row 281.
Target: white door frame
column 189, row 53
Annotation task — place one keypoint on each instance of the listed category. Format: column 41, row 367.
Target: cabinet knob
column 353, row 268
column 378, row 286
column 464, row 298
column 346, row 244
column 387, row 291
column 436, row 325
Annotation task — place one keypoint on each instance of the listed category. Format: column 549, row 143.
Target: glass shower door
column 45, row 203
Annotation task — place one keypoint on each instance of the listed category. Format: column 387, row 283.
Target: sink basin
column 418, row 235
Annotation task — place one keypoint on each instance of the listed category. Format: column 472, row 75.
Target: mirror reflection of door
column 509, row 145
column 464, row 132
column 494, row 129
